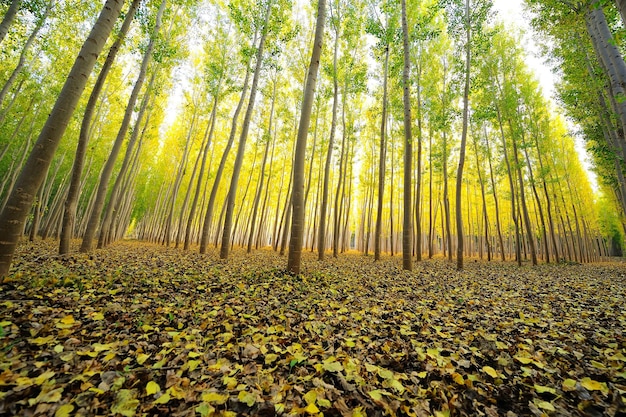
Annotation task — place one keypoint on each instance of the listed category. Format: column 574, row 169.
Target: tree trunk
column 257, row 197
column 13, row 217
column 94, row 218
column 459, row 174
column 22, row 60
column 407, row 227
column 8, row 18
column 522, row 194
column 208, row 217
column 381, row 163
column 241, row 148
column 321, row 240
column 297, row 226
column 71, row 203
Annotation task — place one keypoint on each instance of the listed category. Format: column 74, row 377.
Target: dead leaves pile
column 142, row 330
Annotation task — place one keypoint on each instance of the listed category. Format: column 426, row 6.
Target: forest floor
column 139, row 329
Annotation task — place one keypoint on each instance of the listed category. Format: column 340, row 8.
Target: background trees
column 188, row 69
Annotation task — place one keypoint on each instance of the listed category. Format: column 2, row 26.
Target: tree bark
column 234, row 182
column 321, row 242
column 381, row 162
column 297, row 225
column 22, row 60
column 8, row 18
column 407, row 226
column 94, row 218
column 69, row 214
column 14, row 215
column 459, row 174
column 208, row 217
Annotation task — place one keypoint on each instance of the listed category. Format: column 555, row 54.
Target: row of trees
column 410, row 98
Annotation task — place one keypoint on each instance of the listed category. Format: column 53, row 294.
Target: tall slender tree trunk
column 8, row 18
column 407, row 226
column 22, row 60
column 459, row 174
column 522, row 195
column 94, row 218
column 297, row 225
column 234, row 182
column 381, row 163
column 71, row 203
column 208, row 216
column 257, row 197
column 205, row 151
column 321, row 240
column 495, row 198
column 14, row 215
column 116, row 192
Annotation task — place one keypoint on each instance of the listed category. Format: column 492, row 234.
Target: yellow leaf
column 141, row 358
column 312, row 409
column 444, row 413
column 98, row 347
column 385, row 373
column 523, row 359
column 376, row 394
column 69, row 319
column 541, row 389
column 163, row 399
column 214, row 398
column 193, row 365
column 359, row 412
column 592, row 385
column 53, row 396
column 41, row 340
column 544, row 404
column 230, row 382
column 323, row 402
column 97, row 316
column 490, row 371
column 333, row 367
column 310, row 397
column 64, row 410
column 44, row 377
column 125, row 403
column 270, row 358
column 246, row 398
column 569, row 385
column 458, row 378
column 58, row 348
column 152, row 388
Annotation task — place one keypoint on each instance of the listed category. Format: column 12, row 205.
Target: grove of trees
column 338, row 125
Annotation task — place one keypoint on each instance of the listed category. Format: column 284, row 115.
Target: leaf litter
column 139, row 329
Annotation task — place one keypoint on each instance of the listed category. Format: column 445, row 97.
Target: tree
column 234, row 182
column 297, row 222
column 407, row 224
column 14, row 215
column 71, row 201
column 8, row 18
column 105, row 176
